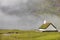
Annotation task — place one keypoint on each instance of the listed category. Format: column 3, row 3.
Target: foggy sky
column 28, row 14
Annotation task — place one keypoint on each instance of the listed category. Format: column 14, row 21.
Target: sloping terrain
column 31, row 35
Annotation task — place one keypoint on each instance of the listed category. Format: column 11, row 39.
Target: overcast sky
column 28, row 14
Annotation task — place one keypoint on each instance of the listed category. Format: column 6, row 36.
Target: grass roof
column 44, row 26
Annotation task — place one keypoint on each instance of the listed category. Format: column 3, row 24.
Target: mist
column 28, row 14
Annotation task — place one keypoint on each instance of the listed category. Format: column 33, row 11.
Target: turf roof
column 44, row 26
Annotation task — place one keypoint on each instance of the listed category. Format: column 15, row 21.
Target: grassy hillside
column 30, row 35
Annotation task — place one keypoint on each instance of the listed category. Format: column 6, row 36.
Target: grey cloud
column 27, row 14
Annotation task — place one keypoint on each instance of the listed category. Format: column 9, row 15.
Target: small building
column 48, row 27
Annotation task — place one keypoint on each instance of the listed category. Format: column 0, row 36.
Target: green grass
column 30, row 35
column 44, row 26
